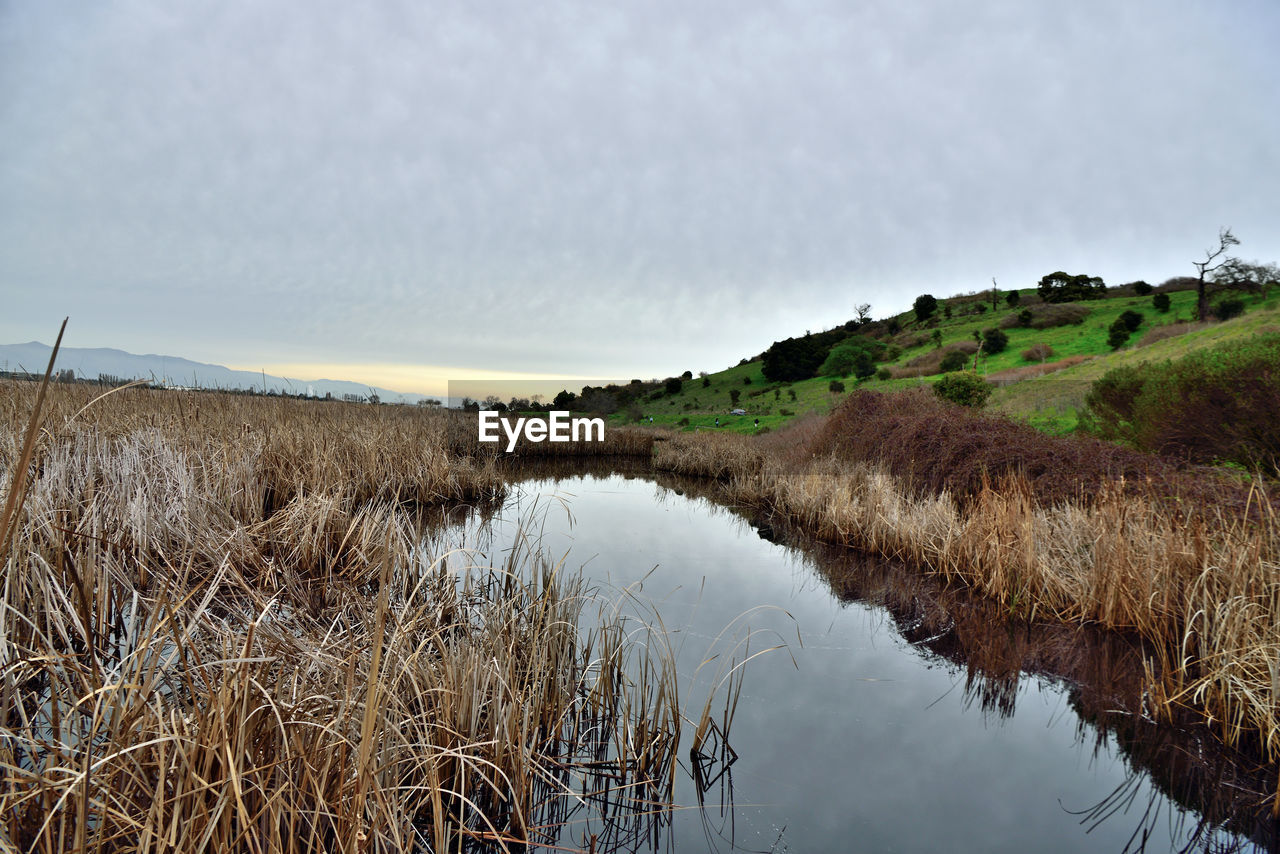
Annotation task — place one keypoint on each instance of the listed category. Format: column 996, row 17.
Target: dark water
column 899, row 716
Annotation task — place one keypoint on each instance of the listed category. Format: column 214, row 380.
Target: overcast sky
column 391, row 192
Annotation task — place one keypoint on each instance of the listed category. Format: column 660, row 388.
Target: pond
column 896, row 715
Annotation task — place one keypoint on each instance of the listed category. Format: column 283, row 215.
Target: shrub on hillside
column 1160, row 302
column 674, row 385
column 1012, row 299
column 884, row 374
column 1219, row 403
column 1141, row 288
column 954, row 360
column 1047, row 316
column 1117, row 336
column 930, row 362
column 963, row 387
column 1130, row 319
column 1109, row 404
column 835, row 387
column 1037, row 353
column 994, row 341
column 1228, row 308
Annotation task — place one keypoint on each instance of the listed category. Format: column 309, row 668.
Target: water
column 885, row 723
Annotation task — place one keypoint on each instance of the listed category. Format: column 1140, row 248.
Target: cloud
column 626, row 189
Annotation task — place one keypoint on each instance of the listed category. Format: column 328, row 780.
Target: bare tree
column 995, row 294
column 863, row 310
column 1213, row 259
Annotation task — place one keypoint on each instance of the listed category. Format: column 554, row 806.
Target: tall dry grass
column 219, row 630
column 1199, row 581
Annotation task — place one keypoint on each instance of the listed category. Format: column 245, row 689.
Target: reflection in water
column 1175, row 787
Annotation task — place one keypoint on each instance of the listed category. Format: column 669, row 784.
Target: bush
column 687, row 375
column 734, row 394
column 884, row 374
column 1160, row 302
column 683, row 422
column 1117, row 336
column 1130, row 319
column 785, row 411
column 963, row 387
column 1109, row 404
column 674, row 385
column 954, row 360
column 706, row 381
column 1216, row 404
column 1141, row 288
column 1037, row 353
column 1012, row 299
column 994, row 341
column 835, row 387
column 1228, row 308
column 791, row 393
column 746, row 380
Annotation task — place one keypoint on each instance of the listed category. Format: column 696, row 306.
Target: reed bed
column 1199, row 581
column 220, row 631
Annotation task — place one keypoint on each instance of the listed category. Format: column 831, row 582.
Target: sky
column 402, row 192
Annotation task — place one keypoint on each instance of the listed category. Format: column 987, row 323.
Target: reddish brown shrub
column 1037, row 353
column 935, row 446
column 930, row 361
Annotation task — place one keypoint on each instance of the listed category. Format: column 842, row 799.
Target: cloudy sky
column 398, row 192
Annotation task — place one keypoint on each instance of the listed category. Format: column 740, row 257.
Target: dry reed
column 220, row 631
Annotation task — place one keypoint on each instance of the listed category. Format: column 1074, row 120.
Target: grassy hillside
column 1046, row 392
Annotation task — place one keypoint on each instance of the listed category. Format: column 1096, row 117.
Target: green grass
column 1049, row 403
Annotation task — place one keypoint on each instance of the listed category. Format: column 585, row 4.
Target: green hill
column 1042, row 375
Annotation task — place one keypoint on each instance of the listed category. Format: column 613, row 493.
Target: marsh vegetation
column 224, row 628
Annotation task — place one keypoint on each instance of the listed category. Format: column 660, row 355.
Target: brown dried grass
column 220, row 631
column 1026, row 372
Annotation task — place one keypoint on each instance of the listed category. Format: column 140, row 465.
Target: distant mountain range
column 90, row 363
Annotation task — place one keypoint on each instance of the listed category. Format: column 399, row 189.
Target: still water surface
column 851, row 738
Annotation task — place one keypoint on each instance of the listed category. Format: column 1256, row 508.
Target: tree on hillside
column 925, row 305
column 995, row 294
column 864, row 312
column 1214, row 259
column 855, row 355
column 1246, row 276
column 1063, row 287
